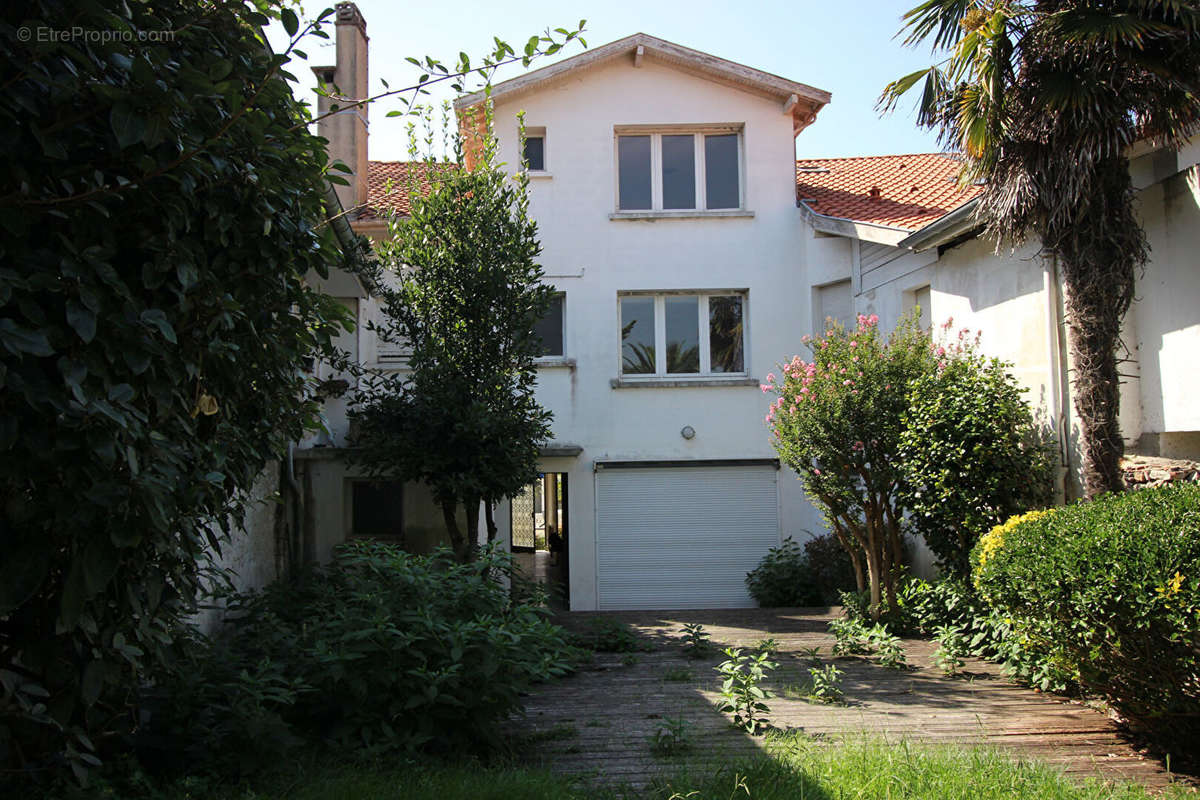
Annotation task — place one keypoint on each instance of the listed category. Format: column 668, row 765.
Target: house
column 691, row 252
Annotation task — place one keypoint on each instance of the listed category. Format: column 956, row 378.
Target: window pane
column 550, row 328
column 633, row 157
column 637, row 335
column 535, row 153
column 377, row 509
column 721, row 171
column 725, row 334
column 679, row 171
column 683, row 334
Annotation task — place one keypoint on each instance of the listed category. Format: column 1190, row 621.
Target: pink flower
column 854, row 359
column 816, row 472
column 941, row 351
column 873, row 319
column 770, row 377
column 847, row 383
column 853, row 343
column 764, row 387
column 806, row 338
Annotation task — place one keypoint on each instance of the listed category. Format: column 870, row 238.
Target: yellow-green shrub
column 1111, row 591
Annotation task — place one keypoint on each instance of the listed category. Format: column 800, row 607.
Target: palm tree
column 1044, row 97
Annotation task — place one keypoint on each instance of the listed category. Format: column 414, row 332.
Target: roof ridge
column 943, row 154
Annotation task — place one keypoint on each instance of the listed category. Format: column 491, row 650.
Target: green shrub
column 971, row 453
column 380, row 651
column 830, row 567
column 783, row 578
column 1111, row 591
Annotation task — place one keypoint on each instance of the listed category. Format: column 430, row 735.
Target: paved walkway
column 600, row 721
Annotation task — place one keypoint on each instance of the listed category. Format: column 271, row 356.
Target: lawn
column 795, row 767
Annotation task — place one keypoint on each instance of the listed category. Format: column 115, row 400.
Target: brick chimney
column 347, row 82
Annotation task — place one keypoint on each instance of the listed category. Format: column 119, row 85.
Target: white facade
column 701, row 440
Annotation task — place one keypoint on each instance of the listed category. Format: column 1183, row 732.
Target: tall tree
column 1044, row 97
column 464, row 419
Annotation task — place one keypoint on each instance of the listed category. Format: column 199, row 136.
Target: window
column 683, row 334
column 534, row 154
column 923, row 299
column 679, row 171
column 377, row 509
column 550, row 328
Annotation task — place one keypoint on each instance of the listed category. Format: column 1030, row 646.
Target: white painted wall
column 592, row 258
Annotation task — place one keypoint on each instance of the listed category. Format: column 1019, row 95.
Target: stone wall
column 1145, row 471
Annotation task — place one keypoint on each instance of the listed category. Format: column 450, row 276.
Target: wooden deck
column 599, row 722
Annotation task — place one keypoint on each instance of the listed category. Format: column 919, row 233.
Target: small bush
column 741, row 693
column 1111, row 591
column 696, row 643
column 606, row 635
column 380, row 651
column 830, row 567
column 783, row 578
column 971, row 453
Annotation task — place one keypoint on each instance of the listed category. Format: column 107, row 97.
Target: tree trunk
column 457, row 541
column 472, row 549
column 489, row 517
column 1101, row 248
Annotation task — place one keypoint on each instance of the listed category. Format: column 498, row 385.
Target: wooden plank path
column 599, row 723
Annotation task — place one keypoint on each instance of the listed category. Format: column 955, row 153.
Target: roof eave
column 854, row 229
column 946, row 227
column 810, row 99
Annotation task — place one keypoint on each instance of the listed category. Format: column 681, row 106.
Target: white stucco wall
column 592, row 258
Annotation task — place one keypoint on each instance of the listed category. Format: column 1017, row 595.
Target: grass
column 795, row 768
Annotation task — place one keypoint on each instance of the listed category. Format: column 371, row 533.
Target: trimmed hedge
column 1110, row 590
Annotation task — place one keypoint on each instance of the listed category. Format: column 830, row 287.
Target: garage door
column 682, row 537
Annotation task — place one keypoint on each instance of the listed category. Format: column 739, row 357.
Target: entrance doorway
column 539, row 528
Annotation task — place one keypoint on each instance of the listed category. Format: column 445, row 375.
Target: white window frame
column 705, row 342
column 698, row 132
column 532, row 132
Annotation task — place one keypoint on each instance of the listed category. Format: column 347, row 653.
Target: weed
column 563, row 730
column 629, row 659
column 852, row 637
column 813, row 654
column 672, row 738
column 826, row 684
column 952, row 649
column 606, row 635
column 696, row 642
column 768, row 646
column 742, row 696
column 679, row 675
column 887, row 648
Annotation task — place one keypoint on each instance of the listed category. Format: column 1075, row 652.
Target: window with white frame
column 534, row 153
column 679, row 169
column 681, row 334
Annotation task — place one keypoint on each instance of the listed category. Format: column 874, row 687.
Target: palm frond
column 1094, row 26
column 940, row 18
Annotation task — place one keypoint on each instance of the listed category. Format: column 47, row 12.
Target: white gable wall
column 592, row 258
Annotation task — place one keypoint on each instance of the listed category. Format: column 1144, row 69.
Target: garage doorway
column 539, row 527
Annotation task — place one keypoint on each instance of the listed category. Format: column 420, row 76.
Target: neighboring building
column 692, row 252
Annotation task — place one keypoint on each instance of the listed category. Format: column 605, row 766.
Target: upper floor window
column 679, row 170
column 550, row 328
column 534, row 154
column 683, row 334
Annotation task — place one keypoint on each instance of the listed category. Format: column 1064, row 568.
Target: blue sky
column 847, row 48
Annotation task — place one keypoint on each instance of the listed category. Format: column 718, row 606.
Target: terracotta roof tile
column 905, row 191
column 390, row 185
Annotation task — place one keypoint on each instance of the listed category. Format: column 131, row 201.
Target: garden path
column 599, row 722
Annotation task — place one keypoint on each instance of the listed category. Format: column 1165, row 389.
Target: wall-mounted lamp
column 688, row 432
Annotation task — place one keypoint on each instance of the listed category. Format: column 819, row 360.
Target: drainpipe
column 1059, row 381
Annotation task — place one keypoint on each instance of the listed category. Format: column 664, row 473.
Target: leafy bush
column 696, row 641
column 163, row 205
column 379, row 651
column 829, row 566
column 971, row 452
column 783, row 578
column 1111, row 591
column 607, row 635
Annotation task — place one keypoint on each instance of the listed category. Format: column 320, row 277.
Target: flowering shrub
column 1110, row 591
column 971, row 451
column 837, row 420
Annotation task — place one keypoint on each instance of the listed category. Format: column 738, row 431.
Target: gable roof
column 904, row 192
column 798, row 99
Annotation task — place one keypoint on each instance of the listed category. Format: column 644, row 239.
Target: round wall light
column 688, row 432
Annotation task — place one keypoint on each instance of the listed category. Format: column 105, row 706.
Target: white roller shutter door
column 682, row 537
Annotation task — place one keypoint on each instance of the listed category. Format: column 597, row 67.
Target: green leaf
column 17, row 340
column 92, row 684
column 290, row 23
column 82, row 320
column 127, row 125
column 22, row 571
